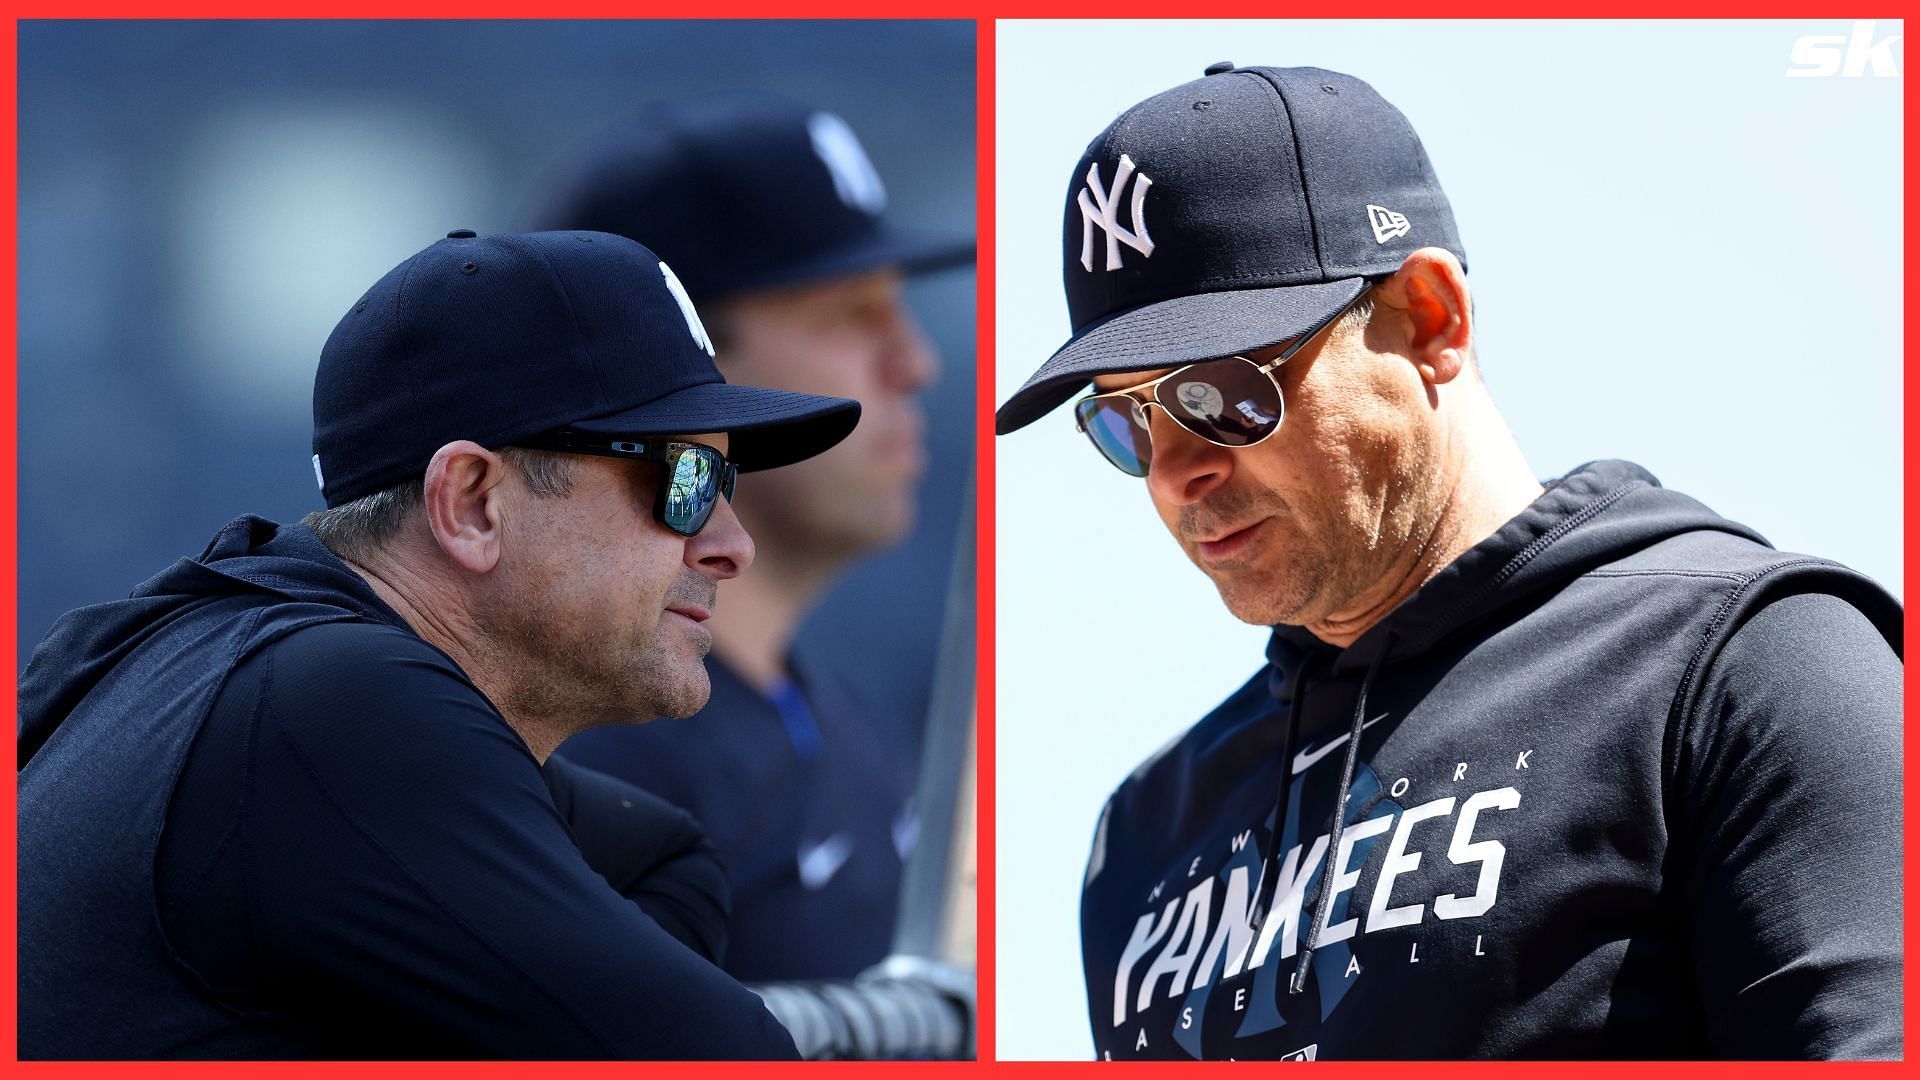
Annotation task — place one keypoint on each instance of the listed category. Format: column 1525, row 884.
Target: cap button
column 1220, row 68
column 462, row 234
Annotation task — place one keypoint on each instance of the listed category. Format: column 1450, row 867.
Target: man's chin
column 1264, row 615
column 891, row 516
column 1260, row 601
column 687, row 696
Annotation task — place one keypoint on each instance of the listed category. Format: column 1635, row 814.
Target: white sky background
column 1679, row 256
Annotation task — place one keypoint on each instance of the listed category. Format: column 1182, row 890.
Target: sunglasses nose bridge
column 1181, row 426
column 1144, row 419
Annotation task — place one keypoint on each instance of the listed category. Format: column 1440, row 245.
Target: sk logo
column 694, row 325
column 1103, row 209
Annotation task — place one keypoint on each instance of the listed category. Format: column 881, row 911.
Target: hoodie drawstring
column 1321, row 909
column 1270, row 853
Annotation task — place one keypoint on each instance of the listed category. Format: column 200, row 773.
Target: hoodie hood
column 250, row 556
column 1596, row 514
column 1458, row 837
column 1467, row 834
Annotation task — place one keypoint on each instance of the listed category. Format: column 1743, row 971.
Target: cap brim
column 766, row 428
column 910, row 251
column 1172, row 332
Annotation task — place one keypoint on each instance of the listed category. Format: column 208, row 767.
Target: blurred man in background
column 771, row 214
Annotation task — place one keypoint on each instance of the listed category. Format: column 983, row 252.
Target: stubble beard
column 579, row 676
column 1321, row 554
column 1289, row 577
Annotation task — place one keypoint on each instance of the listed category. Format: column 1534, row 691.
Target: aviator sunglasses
column 1232, row 401
column 697, row 474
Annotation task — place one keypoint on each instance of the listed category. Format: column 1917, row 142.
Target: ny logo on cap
column 853, row 177
column 1386, row 223
column 1103, row 209
column 694, row 325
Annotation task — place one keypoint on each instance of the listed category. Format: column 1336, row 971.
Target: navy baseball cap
column 1228, row 214
column 498, row 338
column 742, row 192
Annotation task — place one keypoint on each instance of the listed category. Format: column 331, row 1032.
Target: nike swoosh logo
column 819, row 862
column 1305, row 759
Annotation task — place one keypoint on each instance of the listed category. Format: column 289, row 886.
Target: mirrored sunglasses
column 697, row 475
column 1232, row 402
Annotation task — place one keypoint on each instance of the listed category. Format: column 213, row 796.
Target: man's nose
column 1185, row 467
column 722, row 549
column 910, row 362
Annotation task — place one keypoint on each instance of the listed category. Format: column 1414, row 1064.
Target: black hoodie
column 1626, row 784
column 260, row 817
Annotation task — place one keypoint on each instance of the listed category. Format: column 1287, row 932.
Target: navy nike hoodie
column 110, row 705
column 1622, row 781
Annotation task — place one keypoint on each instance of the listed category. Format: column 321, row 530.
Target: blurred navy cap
column 1229, row 214
column 741, row 192
column 499, row 338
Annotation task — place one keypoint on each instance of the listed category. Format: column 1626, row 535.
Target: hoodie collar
column 249, row 556
column 251, row 553
column 1595, row 514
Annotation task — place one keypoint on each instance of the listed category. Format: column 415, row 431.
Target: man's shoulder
column 350, row 648
column 343, row 671
column 1150, row 801
column 1741, row 577
column 1731, row 554
column 1707, row 551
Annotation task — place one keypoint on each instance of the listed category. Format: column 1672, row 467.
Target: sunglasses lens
column 1111, row 423
column 693, row 485
column 1230, row 401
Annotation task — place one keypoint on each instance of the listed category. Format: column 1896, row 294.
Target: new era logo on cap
column 1386, row 224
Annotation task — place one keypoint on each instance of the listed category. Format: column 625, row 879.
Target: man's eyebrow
column 1131, row 378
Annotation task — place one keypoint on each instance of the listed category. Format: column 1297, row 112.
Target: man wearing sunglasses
column 294, row 797
column 810, row 297
column 1569, row 770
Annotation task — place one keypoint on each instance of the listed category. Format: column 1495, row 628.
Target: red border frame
column 9, row 504
column 9, row 393
column 985, row 350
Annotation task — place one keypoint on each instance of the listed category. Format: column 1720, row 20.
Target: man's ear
column 1430, row 291
column 463, row 503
